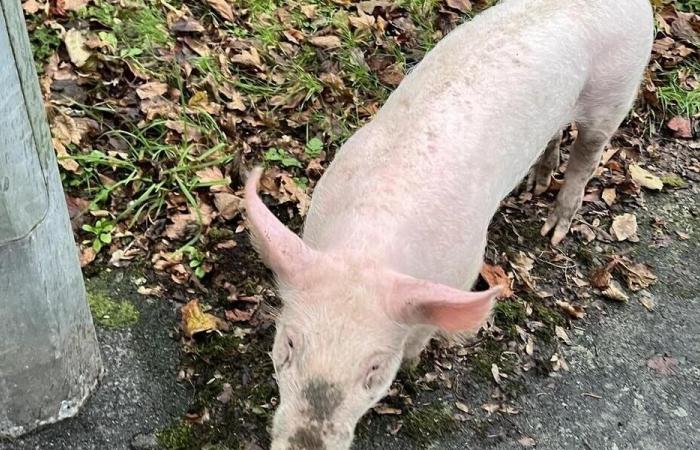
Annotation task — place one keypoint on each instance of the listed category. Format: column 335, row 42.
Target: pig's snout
column 302, row 433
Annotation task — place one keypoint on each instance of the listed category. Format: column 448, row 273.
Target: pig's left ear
column 281, row 250
column 421, row 302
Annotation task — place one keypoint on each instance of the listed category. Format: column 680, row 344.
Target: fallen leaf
column 615, row 292
column 490, row 407
column 575, row 311
column 326, row 42
column 239, row 315
column 250, row 58
column 601, row 277
column 523, row 265
column 624, row 227
column 386, row 410
column 647, row 301
column 31, row 7
column 223, row 8
column 561, row 334
column 75, row 44
column 645, row 178
column 663, row 364
column 496, row 373
column 462, row 407
column 639, row 276
column 70, row 5
column 155, row 291
column 681, row 127
column 228, row 205
column 87, row 255
column 151, row 89
column 527, row 441
column 585, row 231
column 194, row 320
column 494, row 275
column 609, row 195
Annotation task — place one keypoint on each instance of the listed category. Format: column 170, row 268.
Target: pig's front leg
column 541, row 173
column 585, row 157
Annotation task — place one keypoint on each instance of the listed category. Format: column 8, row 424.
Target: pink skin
column 343, row 329
column 397, row 227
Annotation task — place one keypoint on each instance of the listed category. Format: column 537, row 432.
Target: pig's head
column 342, row 330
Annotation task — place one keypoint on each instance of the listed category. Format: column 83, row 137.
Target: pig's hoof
column 558, row 222
column 538, row 180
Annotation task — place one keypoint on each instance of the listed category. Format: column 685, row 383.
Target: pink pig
column 397, row 227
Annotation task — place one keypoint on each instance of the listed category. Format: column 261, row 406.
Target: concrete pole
column 49, row 357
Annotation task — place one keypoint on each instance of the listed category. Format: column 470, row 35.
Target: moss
column 674, row 180
column 585, row 256
column 426, row 424
column 507, row 314
column 550, row 318
column 112, row 313
column 178, row 436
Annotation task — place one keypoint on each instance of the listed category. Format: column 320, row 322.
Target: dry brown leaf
column 386, row 410
column 575, row 311
column 194, row 320
column 75, row 44
column 70, row 5
column 462, row 407
column 585, row 231
column 561, row 334
column 490, row 407
column 645, row 178
column 663, row 364
column 615, row 292
column 601, row 277
column 460, row 5
column 250, row 58
column 155, row 291
column 151, row 89
column 212, row 175
column 638, row 276
column 363, row 21
column 239, row 315
column 609, row 195
column 87, row 255
column 523, row 265
column 31, row 7
column 228, row 205
column 647, row 301
column 296, row 194
column 223, row 8
column 624, row 228
column 326, row 42
column 64, row 159
column 308, row 10
column 494, row 275
column 681, row 127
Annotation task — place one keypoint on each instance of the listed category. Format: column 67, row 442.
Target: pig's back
column 418, row 186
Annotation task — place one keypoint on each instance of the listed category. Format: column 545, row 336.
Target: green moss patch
column 110, row 313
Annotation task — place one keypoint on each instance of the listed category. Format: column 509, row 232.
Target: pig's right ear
column 280, row 249
column 421, row 302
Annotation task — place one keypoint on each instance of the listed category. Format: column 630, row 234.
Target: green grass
column 688, row 5
column 679, row 100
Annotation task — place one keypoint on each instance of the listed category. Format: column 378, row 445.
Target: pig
column 395, row 235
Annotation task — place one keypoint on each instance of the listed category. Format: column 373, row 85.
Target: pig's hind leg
column 596, row 125
column 541, row 173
